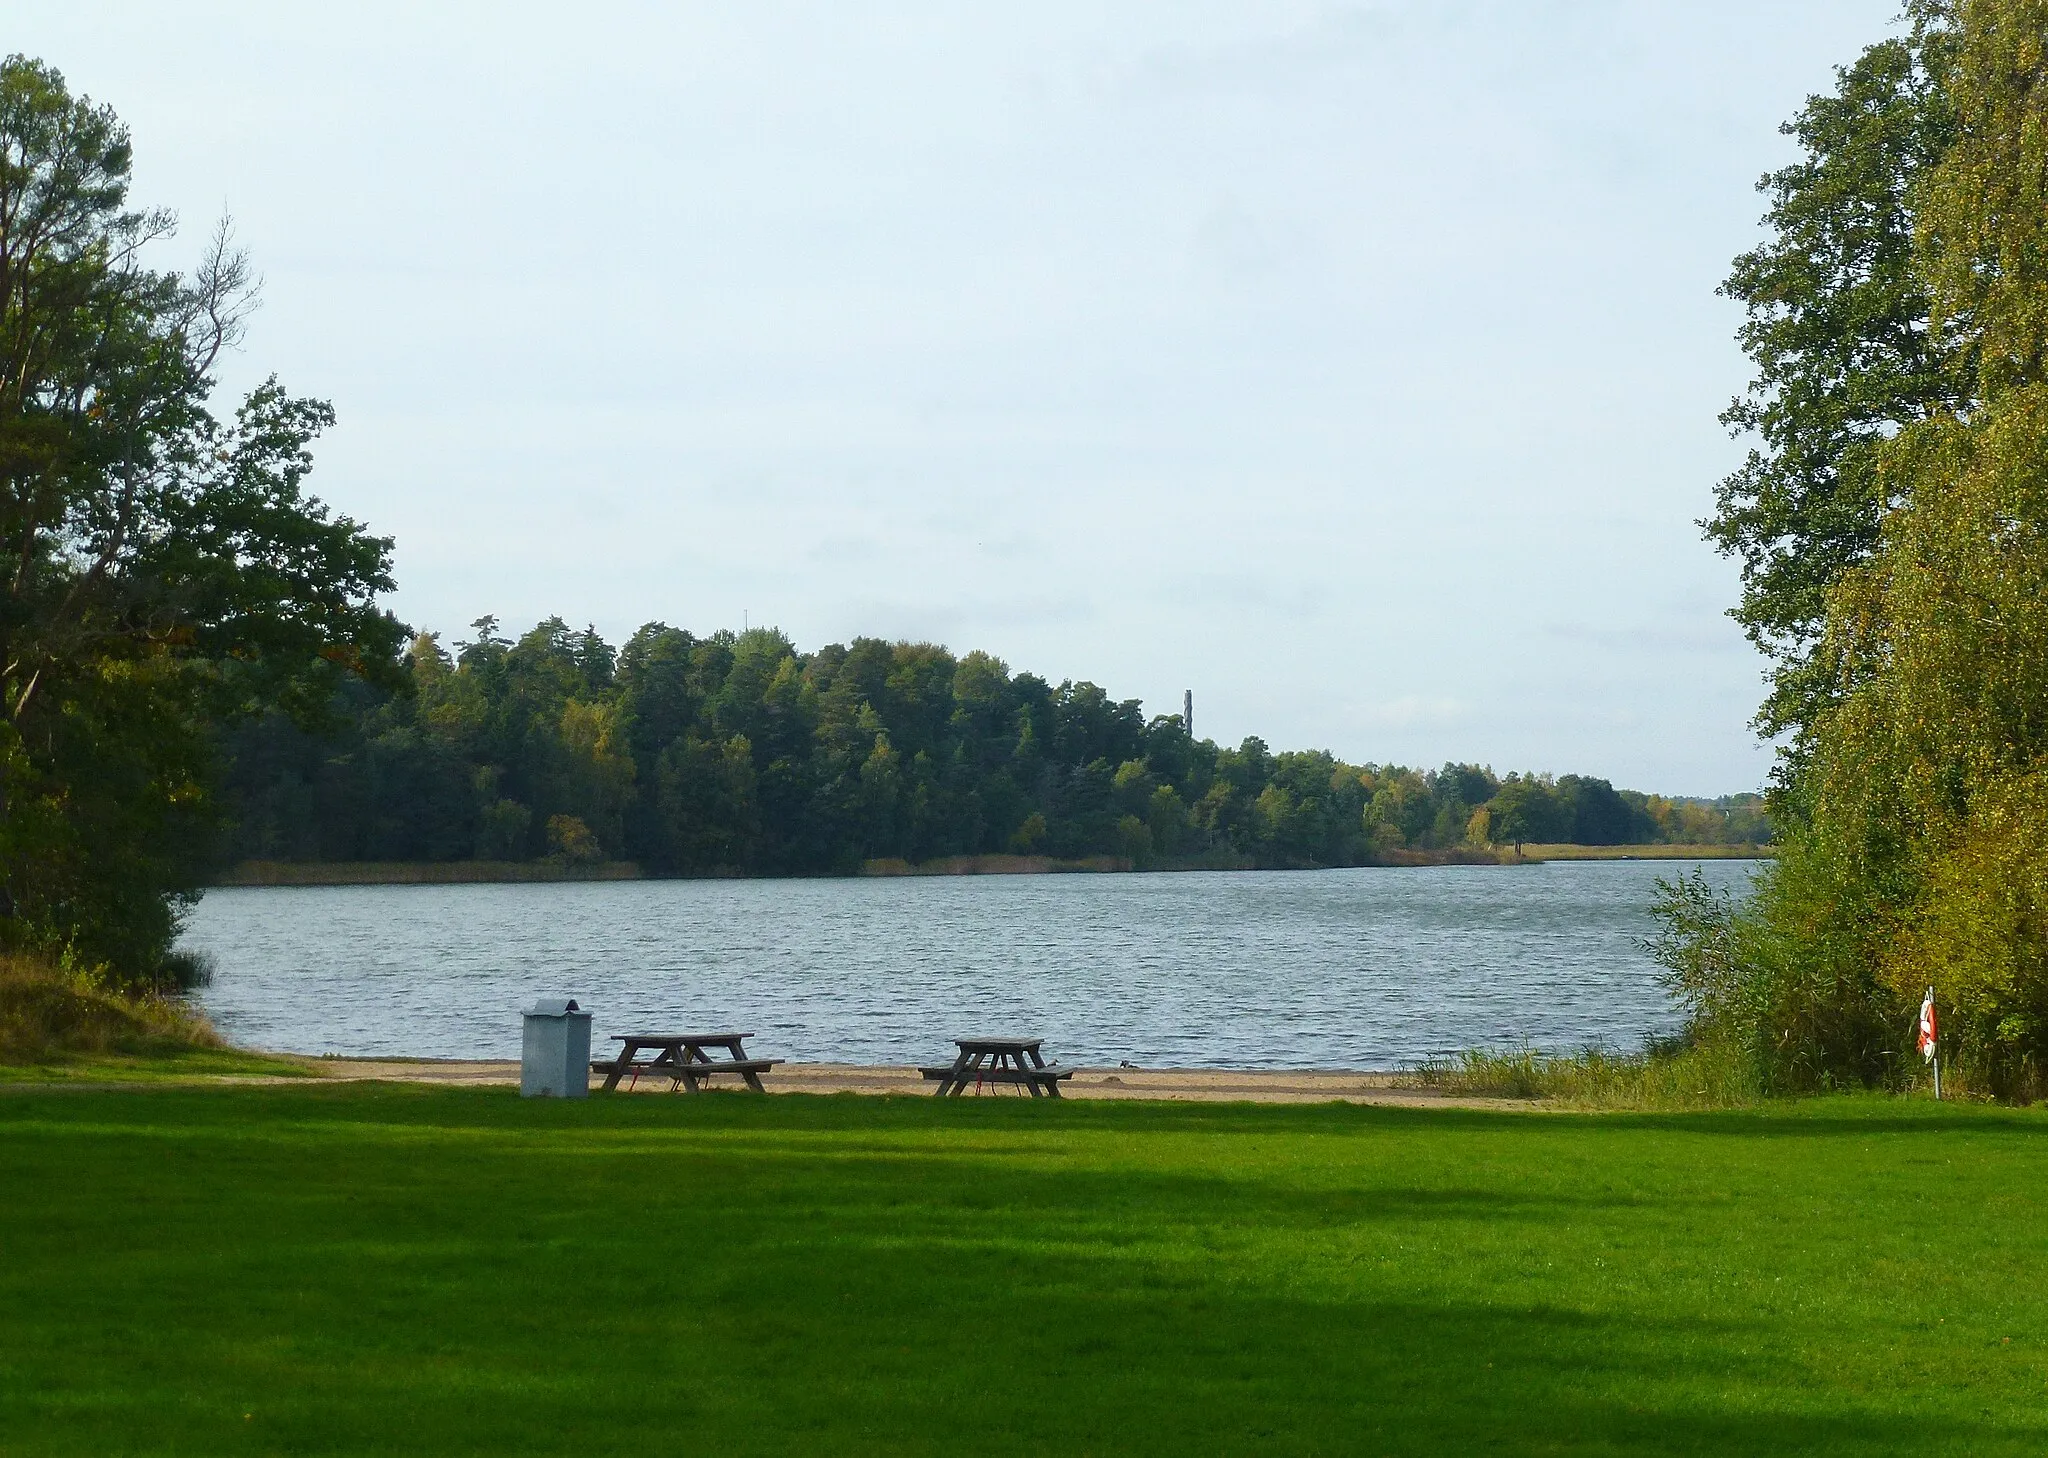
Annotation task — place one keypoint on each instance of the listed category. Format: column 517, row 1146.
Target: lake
column 1373, row 968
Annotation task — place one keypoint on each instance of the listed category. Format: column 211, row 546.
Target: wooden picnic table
column 681, row 1057
column 998, row 1061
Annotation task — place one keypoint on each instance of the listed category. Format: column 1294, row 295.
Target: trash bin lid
column 555, row 1007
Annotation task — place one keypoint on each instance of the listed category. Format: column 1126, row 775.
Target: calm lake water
column 1374, row 968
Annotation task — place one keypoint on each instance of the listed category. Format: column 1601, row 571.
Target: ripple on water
column 1370, row 968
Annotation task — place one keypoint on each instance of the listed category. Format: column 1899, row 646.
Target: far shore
column 464, row 873
column 1534, row 852
column 421, row 873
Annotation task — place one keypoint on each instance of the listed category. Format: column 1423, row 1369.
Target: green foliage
column 1981, row 937
column 1933, row 768
column 1782, row 987
column 741, row 753
column 1525, row 809
column 1919, row 854
column 1839, row 332
column 1578, row 810
column 167, row 571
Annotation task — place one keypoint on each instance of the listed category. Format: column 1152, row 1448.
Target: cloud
column 957, row 624
column 1714, row 635
column 1412, row 711
column 1250, row 592
column 1273, row 63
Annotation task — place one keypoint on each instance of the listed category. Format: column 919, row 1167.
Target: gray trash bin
column 554, row 1062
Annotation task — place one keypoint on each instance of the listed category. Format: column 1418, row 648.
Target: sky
column 1354, row 366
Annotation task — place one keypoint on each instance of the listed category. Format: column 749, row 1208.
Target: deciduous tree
column 161, row 570
column 1845, row 355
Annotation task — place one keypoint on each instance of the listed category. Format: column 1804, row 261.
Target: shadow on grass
column 1826, row 1116
column 397, row 1269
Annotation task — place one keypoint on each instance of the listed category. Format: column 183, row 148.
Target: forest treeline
column 739, row 753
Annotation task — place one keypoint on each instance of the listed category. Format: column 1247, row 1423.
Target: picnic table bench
column 681, row 1058
column 998, row 1061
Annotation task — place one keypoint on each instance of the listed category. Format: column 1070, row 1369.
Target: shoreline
column 1183, row 1085
column 494, row 873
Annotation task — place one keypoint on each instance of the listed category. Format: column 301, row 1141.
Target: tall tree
column 1933, row 775
column 1924, row 854
column 1838, row 331
column 163, row 569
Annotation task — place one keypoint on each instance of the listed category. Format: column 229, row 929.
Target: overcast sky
column 1355, row 366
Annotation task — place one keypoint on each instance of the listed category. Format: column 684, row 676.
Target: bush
column 1784, row 985
column 46, row 1013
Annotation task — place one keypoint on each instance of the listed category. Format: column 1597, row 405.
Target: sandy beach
column 1213, row 1085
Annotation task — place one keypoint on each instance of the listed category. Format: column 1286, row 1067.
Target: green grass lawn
column 348, row 1269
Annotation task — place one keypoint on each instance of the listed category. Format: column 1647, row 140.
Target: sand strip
column 1212, row 1085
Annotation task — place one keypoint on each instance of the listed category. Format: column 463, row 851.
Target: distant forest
column 740, row 754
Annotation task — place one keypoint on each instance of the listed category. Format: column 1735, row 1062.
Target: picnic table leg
column 622, row 1065
column 1052, row 1085
column 738, row 1054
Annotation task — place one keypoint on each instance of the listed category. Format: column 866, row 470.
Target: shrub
column 1785, row 984
column 46, row 1013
